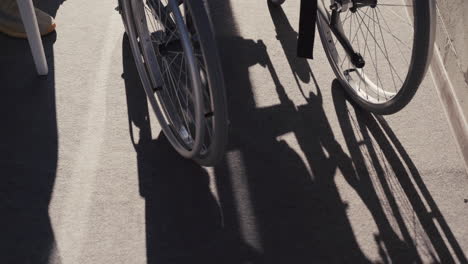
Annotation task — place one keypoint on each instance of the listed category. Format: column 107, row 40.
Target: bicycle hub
column 352, row 5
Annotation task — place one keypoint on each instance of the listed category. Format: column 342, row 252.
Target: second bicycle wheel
column 395, row 39
column 176, row 56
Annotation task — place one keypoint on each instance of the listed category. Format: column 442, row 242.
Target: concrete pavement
column 87, row 178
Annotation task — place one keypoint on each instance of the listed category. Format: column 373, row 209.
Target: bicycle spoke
column 368, row 49
column 401, row 18
column 363, row 69
column 389, row 32
column 401, row 52
column 377, row 44
column 383, row 40
column 394, row 5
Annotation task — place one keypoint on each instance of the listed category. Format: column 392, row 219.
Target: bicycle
column 192, row 111
column 379, row 62
column 175, row 52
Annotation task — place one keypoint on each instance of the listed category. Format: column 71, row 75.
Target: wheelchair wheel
column 176, row 56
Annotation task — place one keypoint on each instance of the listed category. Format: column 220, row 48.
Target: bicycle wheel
column 395, row 39
column 176, row 56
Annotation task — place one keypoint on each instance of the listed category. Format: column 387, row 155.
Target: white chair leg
column 28, row 16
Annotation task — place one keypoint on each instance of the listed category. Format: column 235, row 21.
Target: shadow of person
column 382, row 159
column 183, row 220
column 298, row 212
column 282, row 201
column 28, row 153
column 390, row 185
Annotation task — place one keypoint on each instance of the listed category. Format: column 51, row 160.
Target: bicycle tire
column 424, row 19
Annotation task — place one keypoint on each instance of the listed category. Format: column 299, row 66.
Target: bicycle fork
column 338, row 7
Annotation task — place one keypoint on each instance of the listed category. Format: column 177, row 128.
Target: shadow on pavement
column 28, row 152
column 286, row 204
column 293, row 205
column 278, row 204
column 183, row 219
column 390, row 185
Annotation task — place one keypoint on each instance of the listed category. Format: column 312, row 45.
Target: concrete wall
column 450, row 66
column 452, row 39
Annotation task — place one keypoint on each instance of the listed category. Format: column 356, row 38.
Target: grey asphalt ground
column 86, row 177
